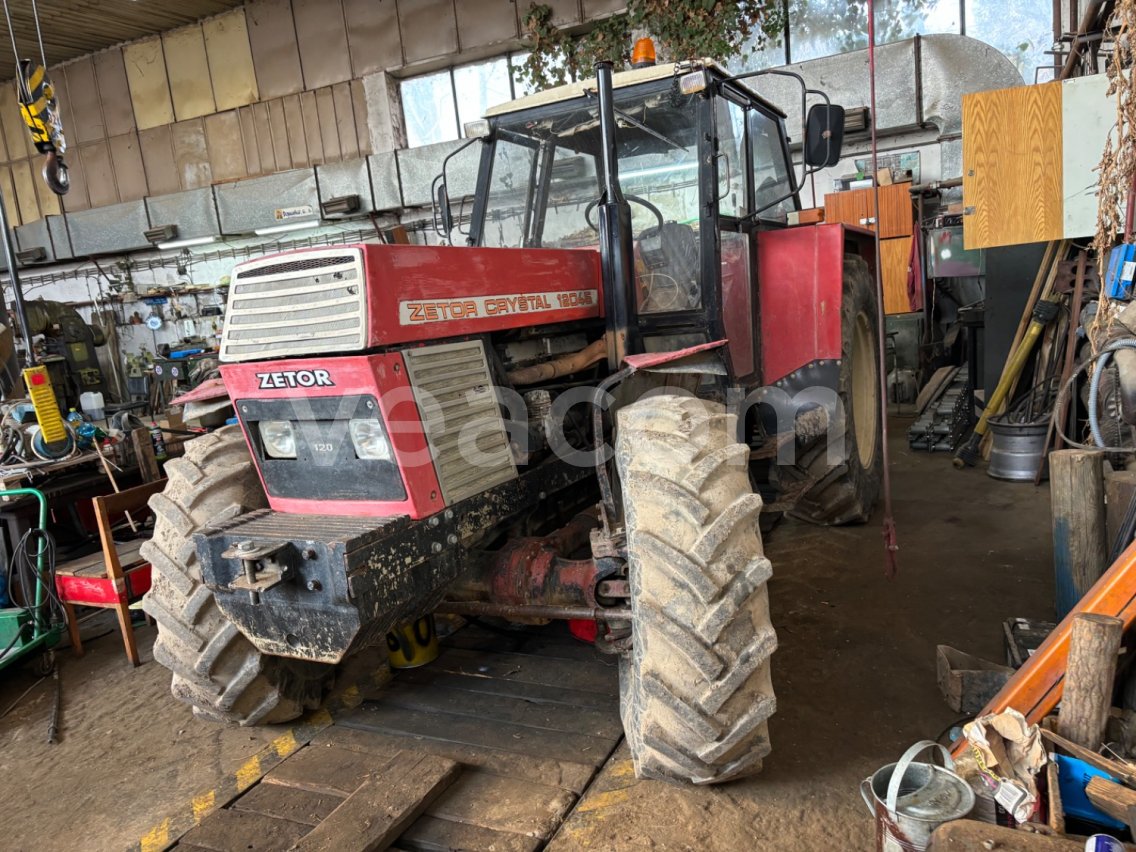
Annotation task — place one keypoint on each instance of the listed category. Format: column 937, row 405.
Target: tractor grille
column 311, row 305
column 461, row 417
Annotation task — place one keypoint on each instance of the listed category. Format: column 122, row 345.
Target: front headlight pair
column 367, row 436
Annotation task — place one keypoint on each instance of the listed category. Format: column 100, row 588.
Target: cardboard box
column 968, row 682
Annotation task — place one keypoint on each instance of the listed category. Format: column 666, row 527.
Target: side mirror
column 824, row 135
column 443, row 216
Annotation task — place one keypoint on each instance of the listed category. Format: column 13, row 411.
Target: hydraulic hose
column 1094, row 385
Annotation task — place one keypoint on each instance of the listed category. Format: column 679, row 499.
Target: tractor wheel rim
column 865, row 390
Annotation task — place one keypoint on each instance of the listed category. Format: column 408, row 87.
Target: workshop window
column 824, row 27
column 480, row 86
column 429, row 109
column 436, row 106
column 1021, row 29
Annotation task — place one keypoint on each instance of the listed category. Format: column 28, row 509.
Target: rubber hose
column 1094, row 385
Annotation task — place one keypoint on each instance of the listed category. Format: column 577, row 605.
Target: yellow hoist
column 39, row 108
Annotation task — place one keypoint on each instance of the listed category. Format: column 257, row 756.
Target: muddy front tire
column 695, row 693
column 215, row 668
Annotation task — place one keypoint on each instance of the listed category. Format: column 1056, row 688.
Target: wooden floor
column 488, row 747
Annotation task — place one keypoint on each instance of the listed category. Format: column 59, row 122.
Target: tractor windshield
column 544, row 184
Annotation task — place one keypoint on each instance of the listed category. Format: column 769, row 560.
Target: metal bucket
column 1016, row 450
column 910, row 800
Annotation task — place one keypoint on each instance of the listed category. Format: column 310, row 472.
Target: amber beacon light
column 643, row 54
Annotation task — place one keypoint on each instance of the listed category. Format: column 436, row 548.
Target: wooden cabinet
column 895, row 264
column 1013, row 182
column 858, row 207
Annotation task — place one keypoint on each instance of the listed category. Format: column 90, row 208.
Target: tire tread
column 215, row 669
column 696, row 693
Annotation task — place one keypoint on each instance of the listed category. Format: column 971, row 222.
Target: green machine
column 28, row 630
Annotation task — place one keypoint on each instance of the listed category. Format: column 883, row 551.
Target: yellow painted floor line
column 167, row 832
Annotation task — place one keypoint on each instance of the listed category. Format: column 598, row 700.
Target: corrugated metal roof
column 73, row 28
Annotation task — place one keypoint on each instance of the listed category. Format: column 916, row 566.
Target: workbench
column 68, row 493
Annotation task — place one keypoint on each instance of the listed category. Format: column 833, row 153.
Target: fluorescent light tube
column 289, row 226
column 186, row 243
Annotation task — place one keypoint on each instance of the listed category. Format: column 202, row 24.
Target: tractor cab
column 702, row 161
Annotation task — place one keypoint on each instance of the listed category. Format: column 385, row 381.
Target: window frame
column 510, row 67
column 485, row 181
column 787, row 36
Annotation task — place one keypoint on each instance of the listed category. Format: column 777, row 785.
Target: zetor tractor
column 565, row 419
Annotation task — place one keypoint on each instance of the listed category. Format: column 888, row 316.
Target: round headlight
column 370, row 440
column 279, row 438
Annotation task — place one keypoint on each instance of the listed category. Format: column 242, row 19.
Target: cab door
column 756, row 191
column 736, row 244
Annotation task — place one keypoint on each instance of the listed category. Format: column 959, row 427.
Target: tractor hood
column 353, row 298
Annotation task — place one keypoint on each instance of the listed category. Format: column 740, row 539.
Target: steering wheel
column 643, row 202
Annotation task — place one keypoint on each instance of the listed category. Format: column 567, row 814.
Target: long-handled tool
column 1043, row 313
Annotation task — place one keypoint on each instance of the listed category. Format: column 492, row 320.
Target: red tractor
column 566, row 418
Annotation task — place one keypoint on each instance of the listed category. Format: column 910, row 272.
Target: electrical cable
column 22, row 568
column 1062, row 394
column 1094, row 384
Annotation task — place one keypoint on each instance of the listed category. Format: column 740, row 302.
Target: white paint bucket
column 909, row 800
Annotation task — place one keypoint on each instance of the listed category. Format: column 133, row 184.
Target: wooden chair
column 117, row 575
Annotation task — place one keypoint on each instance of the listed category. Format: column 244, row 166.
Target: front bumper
column 322, row 587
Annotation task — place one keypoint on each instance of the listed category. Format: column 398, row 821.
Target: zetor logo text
column 295, row 379
column 483, row 307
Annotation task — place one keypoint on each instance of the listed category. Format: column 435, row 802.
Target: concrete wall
column 276, row 85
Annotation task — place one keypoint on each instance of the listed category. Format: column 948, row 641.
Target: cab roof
column 621, row 80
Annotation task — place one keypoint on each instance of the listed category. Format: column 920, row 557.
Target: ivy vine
column 722, row 29
column 681, row 29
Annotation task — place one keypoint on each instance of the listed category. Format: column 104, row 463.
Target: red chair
column 116, row 576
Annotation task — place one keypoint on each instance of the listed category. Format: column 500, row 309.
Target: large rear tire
column 846, row 492
column 695, row 692
column 215, row 668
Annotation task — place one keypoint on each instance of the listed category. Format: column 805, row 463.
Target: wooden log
column 1080, row 540
column 968, row 835
column 1112, row 798
column 1094, row 644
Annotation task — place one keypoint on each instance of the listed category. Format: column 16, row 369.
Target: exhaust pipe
column 617, row 258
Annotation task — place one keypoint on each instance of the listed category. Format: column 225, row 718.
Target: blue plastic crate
column 1073, row 776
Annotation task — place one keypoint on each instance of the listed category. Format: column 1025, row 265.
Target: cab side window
column 730, row 120
column 771, row 181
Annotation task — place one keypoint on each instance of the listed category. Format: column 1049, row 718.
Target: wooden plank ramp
column 488, row 747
